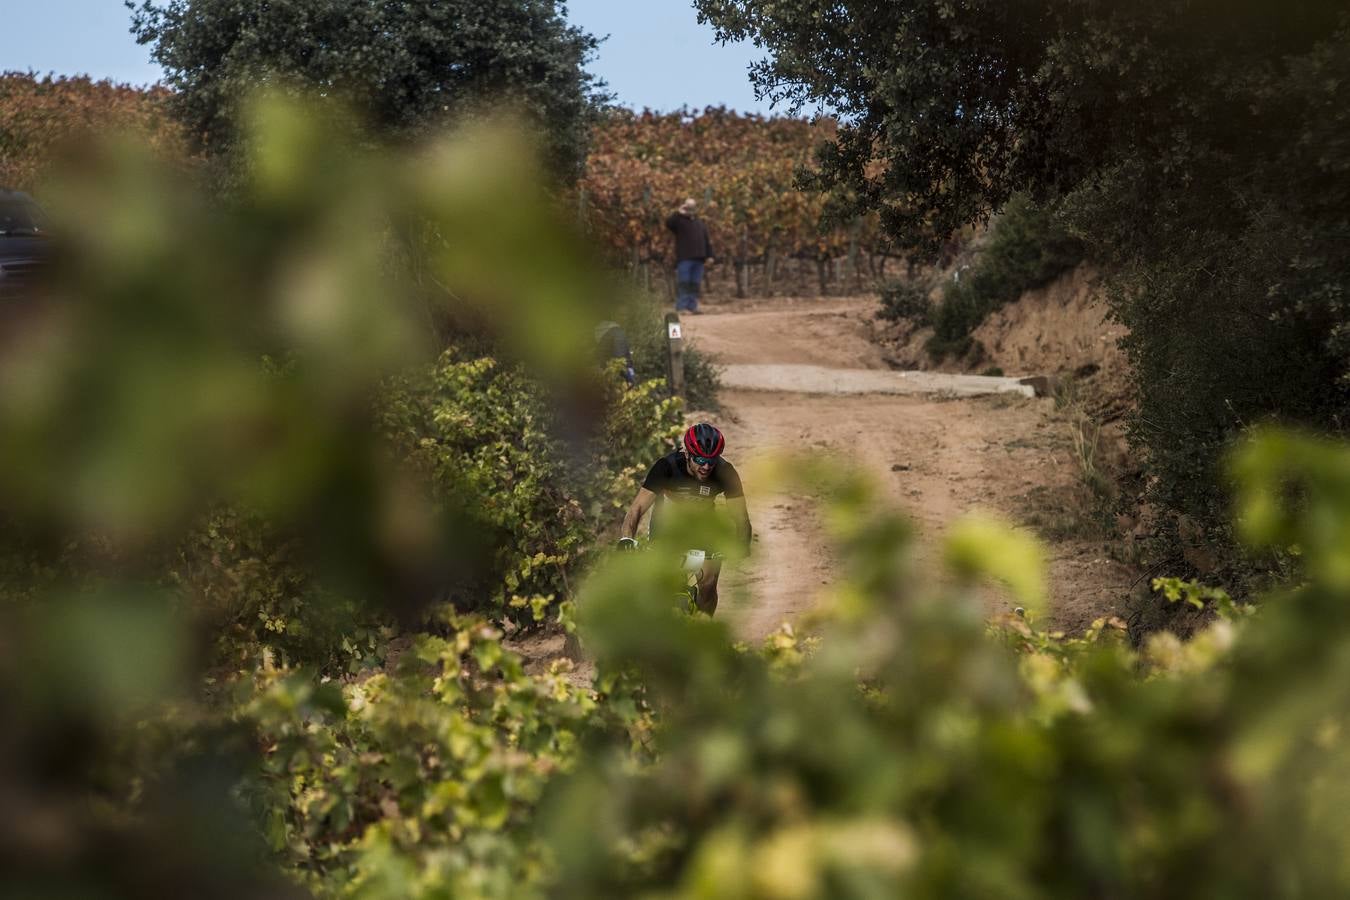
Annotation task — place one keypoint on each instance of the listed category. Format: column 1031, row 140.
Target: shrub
column 420, row 781
column 1025, row 250
column 905, row 299
column 643, row 319
column 472, row 427
column 1232, row 322
column 250, row 589
column 548, row 482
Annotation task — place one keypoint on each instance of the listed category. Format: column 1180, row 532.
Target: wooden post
column 853, row 254
column 743, row 264
column 675, row 347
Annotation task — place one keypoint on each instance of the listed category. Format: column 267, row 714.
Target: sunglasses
column 703, row 460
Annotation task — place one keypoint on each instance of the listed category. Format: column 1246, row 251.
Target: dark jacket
column 691, row 237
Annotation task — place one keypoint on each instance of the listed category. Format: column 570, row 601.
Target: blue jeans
column 688, row 282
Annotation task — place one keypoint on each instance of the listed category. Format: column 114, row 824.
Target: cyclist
column 695, row 473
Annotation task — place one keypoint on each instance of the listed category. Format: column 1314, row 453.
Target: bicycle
column 692, row 565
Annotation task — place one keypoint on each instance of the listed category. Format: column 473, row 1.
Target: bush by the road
column 1026, row 248
column 643, row 320
column 906, row 299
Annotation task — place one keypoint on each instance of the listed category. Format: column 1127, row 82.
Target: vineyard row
column 767, row 234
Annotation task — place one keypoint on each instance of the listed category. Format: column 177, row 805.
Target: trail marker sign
column 675, row 351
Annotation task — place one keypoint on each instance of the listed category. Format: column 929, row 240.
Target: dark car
column 25, row 245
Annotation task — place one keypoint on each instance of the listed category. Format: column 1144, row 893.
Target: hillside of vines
column 768, row 235
column 742, row 170
column 45, row 119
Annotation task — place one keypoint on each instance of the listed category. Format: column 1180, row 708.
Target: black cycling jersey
column 670, row 481
column 670, row 478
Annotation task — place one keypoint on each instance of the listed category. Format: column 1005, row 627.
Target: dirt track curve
column 937, row 455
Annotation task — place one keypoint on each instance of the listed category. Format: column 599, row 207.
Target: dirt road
column 938, row 457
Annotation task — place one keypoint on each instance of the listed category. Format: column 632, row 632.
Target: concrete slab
column 803, row 379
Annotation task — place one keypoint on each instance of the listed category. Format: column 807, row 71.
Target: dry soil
column 937, row 456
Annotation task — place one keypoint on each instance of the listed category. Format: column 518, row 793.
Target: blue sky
column 657, row 54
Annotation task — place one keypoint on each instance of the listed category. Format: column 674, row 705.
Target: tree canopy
column 407, row 66
column 1201, row 148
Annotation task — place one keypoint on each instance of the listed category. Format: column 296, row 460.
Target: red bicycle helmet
column 703, row 442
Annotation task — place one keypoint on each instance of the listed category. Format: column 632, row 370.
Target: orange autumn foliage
column 44, row 119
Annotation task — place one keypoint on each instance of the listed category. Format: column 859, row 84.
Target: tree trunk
column 823, row 275
column 742, row 266
column 853, row 264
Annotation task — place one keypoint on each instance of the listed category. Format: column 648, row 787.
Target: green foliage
column 904, row 750
column 421, row 781
column 1200, row 596
column 1199, row 149
column 198, row 477
column 411, row 68
column 981, row 547
column 252, row 591
column 643, row 320
column 905, row 299
column 1026, row 249
column 548, row 482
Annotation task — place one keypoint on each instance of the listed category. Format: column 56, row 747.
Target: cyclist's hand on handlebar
column 627, row 544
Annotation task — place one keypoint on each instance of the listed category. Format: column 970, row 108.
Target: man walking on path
column 693, row 250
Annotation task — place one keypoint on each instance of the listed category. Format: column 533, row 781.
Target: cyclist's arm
column 740, row 516
column 641, row 503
